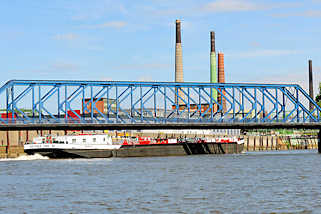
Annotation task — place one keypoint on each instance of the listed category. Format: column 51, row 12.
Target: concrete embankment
column 11, row 151
column 260, row 143
column 11, row 142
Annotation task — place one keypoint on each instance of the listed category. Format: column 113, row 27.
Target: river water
column 254, row 182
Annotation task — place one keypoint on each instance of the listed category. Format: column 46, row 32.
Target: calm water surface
column 258, row 182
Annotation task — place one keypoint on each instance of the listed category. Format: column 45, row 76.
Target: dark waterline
column 254, row 182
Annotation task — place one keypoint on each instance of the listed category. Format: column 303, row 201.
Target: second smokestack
column 311, row 84
column 213, row 73
column 179, row 76
column 221, row 79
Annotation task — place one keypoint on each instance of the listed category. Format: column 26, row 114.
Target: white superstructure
column 81, row 141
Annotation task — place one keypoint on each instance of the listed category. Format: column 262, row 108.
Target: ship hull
column 150, row 150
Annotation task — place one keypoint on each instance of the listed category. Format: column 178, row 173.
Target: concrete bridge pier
column 319, row 141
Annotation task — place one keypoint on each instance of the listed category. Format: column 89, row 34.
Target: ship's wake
column 26, row 157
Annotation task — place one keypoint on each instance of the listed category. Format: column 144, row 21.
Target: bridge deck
column 140, row 126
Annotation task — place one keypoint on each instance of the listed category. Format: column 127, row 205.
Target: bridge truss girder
column 54, row 101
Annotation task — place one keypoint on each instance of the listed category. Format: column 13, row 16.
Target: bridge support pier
column 319, row 141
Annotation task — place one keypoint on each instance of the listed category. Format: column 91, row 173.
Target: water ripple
column 255, row 182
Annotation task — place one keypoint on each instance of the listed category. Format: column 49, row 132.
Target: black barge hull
column 149, row 150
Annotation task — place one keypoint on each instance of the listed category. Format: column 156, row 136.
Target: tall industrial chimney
column 311, row 84
column 213, row 73
column 221, row 79
column 179, row 77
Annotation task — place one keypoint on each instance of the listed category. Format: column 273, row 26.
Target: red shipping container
column 71, row 115
column 8, row 116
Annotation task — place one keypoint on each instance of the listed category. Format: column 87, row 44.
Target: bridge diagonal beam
column 298, row 104
column 45, row 97
column 123, row 99
column 254, row 97
column 206, row 101
column 178, row 97
column 68, row 100
column 190, row 114
column 199, row 105
column 140, row 101
column 317, row 108
column 21, row 95
column 166, row 97
column 14, row 103
column 276, row 103
column 252, row 104
column 272, row 101
column 228, row 100
column 97, row 98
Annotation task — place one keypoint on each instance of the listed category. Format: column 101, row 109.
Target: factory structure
column 217, row 74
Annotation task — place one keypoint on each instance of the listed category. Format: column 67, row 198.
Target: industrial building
column 103, row 105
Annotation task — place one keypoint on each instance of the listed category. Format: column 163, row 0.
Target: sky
column 263, row 41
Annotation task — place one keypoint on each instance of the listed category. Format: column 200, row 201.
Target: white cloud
column 63, row 66
column 312, row 13
column 308, row 13
column 96, row 10
column 295, row 76
column 243, row 5
column 66, row 36
column 111, row 24
column 233, row 6
column 146, row 66
column 262, row 53
column 31, row 72
column 255, row 44
column 302, row 80
column 57, row 67
column 190, row 8
column 106, row 79
column 146, row 78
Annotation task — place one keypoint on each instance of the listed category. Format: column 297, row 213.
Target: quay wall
column 11, row 142
column 260, row 143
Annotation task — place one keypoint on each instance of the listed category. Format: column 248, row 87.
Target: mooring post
column 27, row 135
column 8, row 143
column 319, row 141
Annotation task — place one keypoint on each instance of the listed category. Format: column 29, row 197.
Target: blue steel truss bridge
column 57, row 104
